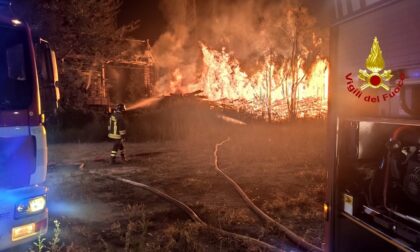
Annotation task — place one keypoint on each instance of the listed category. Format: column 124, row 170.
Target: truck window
column 16, row 63
column 16, row 87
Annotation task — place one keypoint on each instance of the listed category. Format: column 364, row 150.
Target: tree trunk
column 269, row 87
column 293, row 112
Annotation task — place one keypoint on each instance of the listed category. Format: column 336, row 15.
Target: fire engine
column 373, row 192
column 28, row 95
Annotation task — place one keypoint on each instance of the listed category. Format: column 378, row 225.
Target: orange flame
column 222, row 80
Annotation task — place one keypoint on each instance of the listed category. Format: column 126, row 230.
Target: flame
column 375, row 61
column 222, row 80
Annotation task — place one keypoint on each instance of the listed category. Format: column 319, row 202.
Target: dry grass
column 302, row 211
column 183, row 237
column 281, row 167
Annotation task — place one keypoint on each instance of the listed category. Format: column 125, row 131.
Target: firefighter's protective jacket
column 116, row 126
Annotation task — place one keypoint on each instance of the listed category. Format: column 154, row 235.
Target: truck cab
column 373, row 191
column 28, row 94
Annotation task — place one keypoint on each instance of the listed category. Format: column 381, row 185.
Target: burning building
column 133, row 75
column 262, row 57
column 128, row 77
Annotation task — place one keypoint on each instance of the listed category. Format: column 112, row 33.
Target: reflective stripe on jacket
column 116, row 126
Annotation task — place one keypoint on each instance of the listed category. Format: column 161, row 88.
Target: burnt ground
column 281, row 168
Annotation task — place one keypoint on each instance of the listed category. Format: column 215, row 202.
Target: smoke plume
column 247, row 28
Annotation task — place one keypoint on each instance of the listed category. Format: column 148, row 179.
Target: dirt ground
column 281, row 168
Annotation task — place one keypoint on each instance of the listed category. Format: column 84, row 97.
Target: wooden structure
column 102, row 79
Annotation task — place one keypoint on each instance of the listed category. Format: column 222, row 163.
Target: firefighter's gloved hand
column 123, row 139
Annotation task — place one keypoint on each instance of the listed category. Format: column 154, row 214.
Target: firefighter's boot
column 123, row 158
column 113, row 156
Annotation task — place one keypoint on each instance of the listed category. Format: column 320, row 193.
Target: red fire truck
column 28, row 94
column 373, row 194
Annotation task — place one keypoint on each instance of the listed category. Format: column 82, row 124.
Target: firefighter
column 117, row 132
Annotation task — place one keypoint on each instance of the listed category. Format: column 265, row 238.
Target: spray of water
column 231, row 120
column 144, row 103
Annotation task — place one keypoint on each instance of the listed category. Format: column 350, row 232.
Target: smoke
column 87, row 212
column 247, row 28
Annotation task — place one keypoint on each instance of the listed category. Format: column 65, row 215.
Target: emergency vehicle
column 28, row 95
column 373, row 192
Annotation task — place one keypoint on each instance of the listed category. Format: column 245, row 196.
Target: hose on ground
column 190, row 212
column 168, row 198
column 262, row 215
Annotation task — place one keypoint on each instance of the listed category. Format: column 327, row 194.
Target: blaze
column 223, row 81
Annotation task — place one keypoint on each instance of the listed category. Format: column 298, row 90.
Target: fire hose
column 299, row 241
column 189, row 212
column 261, row 214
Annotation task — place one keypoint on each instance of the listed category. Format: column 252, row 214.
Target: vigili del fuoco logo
column 374, row 77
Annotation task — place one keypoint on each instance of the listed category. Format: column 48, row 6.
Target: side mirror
column 54, row 76
column 48, row 78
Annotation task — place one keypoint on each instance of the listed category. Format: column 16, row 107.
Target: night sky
column 147, row 11
column 153, row 23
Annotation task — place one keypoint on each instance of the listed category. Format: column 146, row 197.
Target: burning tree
column 259, row 56
column 301, row 52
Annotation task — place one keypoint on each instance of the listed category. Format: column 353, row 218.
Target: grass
column 302, row 211
column 137, row 228
column 281, row 167
column 52, row 245
column 183, row 237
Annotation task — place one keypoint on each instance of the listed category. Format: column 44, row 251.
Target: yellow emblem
column 375, row 63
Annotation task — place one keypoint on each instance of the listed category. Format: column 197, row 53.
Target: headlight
column 37, row 204
column 31, row 206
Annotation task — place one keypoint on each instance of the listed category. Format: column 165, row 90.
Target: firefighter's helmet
column 120, row 108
